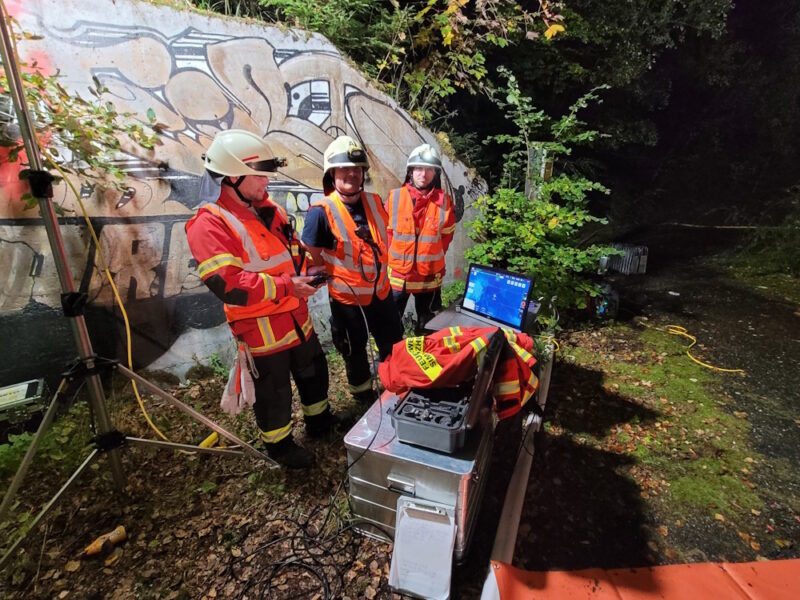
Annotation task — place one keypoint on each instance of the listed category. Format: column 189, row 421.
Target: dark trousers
column 307, row 364
column 350, row 334
column 426, row 304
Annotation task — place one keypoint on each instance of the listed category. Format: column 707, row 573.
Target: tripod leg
column 70, row 482
column 157, row 391
column 28, row 458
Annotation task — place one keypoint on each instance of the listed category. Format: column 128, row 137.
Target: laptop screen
column 497, row 295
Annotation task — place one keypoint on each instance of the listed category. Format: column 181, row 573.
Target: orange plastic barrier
column 767, row 580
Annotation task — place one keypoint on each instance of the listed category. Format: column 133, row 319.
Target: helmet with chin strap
column 236, row 152
column 425, row 156
column 344, row 151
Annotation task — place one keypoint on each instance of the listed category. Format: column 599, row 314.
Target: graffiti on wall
column 198, row 75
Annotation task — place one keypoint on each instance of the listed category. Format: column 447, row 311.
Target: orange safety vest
column 265, row 254
column 352, row 254
column 451, row 356
column 411, row 250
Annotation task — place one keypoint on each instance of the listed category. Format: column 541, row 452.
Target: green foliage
column 452, row 292
column 422, row 51
column 775, row 249
column 540, row 235
column 206, row 487
column 76, row 135
column 221, row 370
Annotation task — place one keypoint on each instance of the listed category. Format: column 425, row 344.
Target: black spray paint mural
column 199, row 75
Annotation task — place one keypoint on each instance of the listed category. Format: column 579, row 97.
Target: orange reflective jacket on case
column 411, row 250
column 451, row 356
column 352, row 263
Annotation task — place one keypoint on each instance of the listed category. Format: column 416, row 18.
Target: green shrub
column 540, row 235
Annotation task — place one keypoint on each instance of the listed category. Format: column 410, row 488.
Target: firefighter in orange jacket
column 249, row 256
column 346, row 231
column 421, row 226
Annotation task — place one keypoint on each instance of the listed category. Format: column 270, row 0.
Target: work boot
column 328, row 423
column 288, row 454
column 366, row 398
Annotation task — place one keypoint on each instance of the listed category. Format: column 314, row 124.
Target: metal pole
column 506, row 537
column 93, row 456
column 77, row 322
column 28, row 458
column 157, row 391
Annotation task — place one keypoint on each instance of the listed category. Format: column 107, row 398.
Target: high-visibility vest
column 451, row 356
column 265, row 254
column 353, row 255
column 411, row 250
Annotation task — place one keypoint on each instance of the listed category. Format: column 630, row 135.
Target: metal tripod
column 108, row 440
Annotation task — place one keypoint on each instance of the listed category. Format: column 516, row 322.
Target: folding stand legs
column 157, row 391
column 111, row 441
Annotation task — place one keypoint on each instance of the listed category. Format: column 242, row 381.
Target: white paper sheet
column 422, row 559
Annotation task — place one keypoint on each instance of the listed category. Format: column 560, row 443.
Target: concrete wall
column 200, row 74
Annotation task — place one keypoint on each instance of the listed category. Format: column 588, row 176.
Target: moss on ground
column 695, row 447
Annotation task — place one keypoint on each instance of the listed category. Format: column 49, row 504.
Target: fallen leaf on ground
column 72, row 566
column 755, row 512
column 113, row 558
column 663, row 530
column 744, row 536
column 755, row 545
column 719, row 517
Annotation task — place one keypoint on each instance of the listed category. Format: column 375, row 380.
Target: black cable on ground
column 323, row 558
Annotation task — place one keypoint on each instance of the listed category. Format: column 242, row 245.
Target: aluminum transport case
column 383, row 468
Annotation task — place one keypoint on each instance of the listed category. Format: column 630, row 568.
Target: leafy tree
column 538, row 233
column 75, row 135
column 421, row 51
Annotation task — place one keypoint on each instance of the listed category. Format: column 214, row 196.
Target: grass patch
column 694, row 448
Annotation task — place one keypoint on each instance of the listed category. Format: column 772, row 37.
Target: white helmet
column 236, row 152
column 424, row 156
column 344, row 151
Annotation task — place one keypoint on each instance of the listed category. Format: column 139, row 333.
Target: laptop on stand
column 493, row 297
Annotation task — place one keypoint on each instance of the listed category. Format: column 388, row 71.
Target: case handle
column 400, row 484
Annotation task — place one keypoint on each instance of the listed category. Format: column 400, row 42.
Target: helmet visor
column 353, row 155
column 266, row 166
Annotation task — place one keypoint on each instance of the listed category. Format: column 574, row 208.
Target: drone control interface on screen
column 500, row 296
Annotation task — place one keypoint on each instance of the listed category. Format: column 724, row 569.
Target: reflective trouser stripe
column 451, row 344
column 478, row 345
column 355, row 389
column 276, row 435
column 507, row 388
column 312, row 410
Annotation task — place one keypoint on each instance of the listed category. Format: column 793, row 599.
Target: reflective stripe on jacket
column 451, row 356
column 268, row 319
column 264, row 254
column 411, row 250
column 352, row 263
